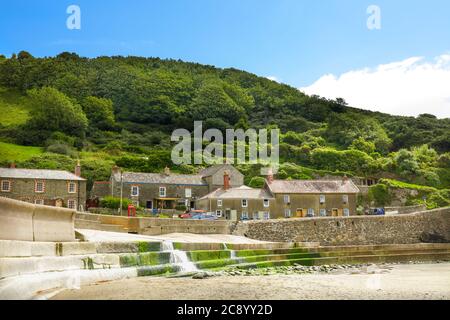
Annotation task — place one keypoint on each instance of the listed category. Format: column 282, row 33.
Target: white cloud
column 409, row 87
column 273, row 78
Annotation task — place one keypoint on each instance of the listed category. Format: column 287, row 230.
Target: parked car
column 377, row 212
column 204, row 216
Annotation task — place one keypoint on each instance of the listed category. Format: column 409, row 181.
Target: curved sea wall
column 29, row 222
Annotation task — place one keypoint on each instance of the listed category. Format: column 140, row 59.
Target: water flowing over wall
column 426, row 226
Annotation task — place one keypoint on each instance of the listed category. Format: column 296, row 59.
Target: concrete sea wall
column 426, row 226
column 29, row 222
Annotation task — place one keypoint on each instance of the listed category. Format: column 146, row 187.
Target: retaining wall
column 157, row 226
column 426, row 226
column 29, row 222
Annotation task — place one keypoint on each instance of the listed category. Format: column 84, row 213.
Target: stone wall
column 407, row 209
column 427, row 226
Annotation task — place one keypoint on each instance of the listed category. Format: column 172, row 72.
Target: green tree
column 99, row 112
column 53, row 111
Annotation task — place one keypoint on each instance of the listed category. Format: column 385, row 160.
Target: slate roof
column 161, row 178
column 38, row 174
column 242, row 192
column 207, row 172
column 312, row 186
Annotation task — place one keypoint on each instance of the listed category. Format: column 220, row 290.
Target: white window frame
column 287, row 199
column 345, row 198
column 9, row 185
column 162, row 192
column 74, row 204
column 188, row 193
column 36, row 182
column 134, row 194
column 346, row 212
column 71, row 183
column 322, row 212
column 322, row 199
column 266, row 203
column 244, row 215
column 266, row 215
column 219, row 213
column 39, row 202
column 255, row 216
column 244, row 203
column 287, row 213
column 219, row 202
column 310, row 210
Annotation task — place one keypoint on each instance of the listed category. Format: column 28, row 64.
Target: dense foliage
column 123, row 109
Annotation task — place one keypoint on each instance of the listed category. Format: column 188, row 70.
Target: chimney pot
column 270, row 175
column 167, row 171
column 12, row 165
column 226, row 180
column 78, row 169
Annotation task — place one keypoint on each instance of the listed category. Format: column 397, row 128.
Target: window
column 322, row 199
column 72, row 204
column 310, row 212
column 162, row 192
column 244, row 203
column 6, row 186
column 266, row 215
column 287, row 199
column 266, row 203
column 345, row 198
column 255, row 215
column 219, row 202
column 39, row 186
column 188, row 193
column 72, row 187
column 244, row 215
column 134, row 191
column 346, row 212
column 323, row 212
column 39, row 201
column 219, row 213
column 287, row 213
column 187, row 203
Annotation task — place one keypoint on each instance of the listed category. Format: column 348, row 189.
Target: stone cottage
column 155, row 191
column 312, row 198
column 233, row 203
column 46, row 187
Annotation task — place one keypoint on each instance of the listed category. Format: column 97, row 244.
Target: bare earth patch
column 408, row 281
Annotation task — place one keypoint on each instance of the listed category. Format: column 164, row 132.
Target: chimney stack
column 270, row 175
column 115, row 170
column 167, row 171
column 12, row 165
column 226, row 180
column 78, row 169
column 344, row 179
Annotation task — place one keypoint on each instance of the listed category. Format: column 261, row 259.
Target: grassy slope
column 14, row 108
column 13, row 152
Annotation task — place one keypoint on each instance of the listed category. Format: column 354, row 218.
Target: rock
column 201, row 275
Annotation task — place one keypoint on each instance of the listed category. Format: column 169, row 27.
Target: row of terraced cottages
column 219, row 189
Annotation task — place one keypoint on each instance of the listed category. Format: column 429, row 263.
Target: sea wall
column 29, row 222
column 425, row 226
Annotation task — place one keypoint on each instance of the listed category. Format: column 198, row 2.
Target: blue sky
column 296, row 41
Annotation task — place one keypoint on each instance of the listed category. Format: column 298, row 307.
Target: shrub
column 379, row 194
column 114, row 203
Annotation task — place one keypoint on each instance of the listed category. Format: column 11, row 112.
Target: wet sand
column 408, row 281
